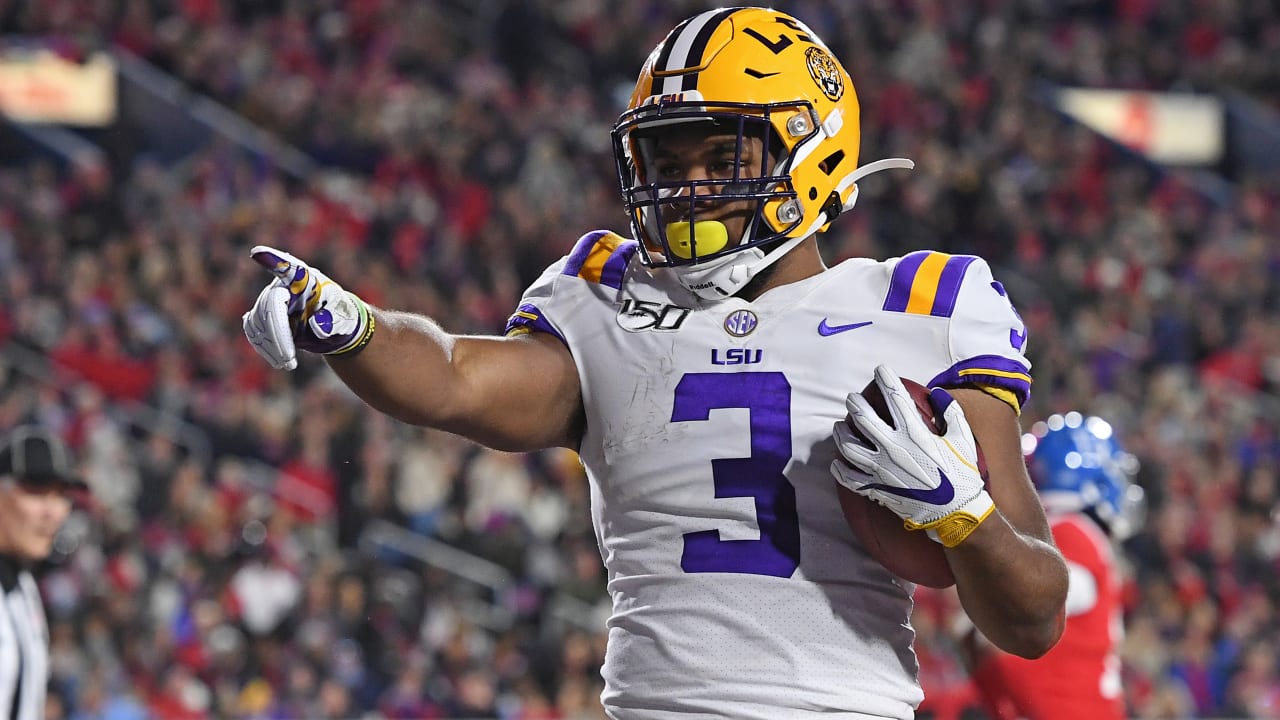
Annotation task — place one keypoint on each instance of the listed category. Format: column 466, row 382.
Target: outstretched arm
column 511, row 393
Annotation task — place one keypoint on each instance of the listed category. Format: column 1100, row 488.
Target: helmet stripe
column 699, row 46
column 664, row 55
column 683, row 49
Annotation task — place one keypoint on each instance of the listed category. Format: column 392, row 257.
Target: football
column 909, row 554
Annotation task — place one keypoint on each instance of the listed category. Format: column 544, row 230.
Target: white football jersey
column 738, row 588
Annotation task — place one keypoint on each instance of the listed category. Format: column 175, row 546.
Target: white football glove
column 303, row 309
column 931, row 481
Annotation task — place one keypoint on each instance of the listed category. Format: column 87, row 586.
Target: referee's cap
column 36, row 457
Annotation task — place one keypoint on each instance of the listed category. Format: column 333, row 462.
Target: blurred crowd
column 218, row 569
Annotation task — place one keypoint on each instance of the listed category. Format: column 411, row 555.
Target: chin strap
column 869, row 168
column 724, row 276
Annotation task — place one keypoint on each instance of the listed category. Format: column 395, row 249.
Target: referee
column 36, row 485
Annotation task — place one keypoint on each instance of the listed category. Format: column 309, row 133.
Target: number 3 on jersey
column 767, row 397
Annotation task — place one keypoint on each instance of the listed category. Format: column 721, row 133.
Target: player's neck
column 804, row 261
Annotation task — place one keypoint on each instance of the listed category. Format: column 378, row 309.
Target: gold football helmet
column 753, row 72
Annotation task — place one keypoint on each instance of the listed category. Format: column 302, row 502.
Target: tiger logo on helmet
column 824, row 71
column 757, row 73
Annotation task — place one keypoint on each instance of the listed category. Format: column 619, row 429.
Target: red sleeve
column 1083, row 543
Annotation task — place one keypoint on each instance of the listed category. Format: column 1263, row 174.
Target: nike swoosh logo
column 825, row 330
column 940, row 495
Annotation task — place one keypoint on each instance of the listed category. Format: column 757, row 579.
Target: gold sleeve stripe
column 927, row 283
column 925, row 286
column 1008, row 396
column 593, row 267
column 1024, row 377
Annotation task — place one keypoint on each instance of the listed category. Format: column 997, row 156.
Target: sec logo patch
column 740, row 323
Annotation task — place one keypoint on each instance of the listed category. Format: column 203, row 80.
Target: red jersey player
column 1083, row 476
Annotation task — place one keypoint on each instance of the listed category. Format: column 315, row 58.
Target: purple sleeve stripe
column 944, row 302
column 616, row 265
column 529, row 317
column 582, row 250
column 904, row 274
column 991, row 371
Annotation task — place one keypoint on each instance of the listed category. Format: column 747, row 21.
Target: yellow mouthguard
column 712, row 237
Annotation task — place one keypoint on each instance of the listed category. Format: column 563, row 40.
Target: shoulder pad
column 600, row 257
column 926, row 283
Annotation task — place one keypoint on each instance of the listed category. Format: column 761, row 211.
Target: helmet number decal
column 776, row 46
column 784, row 41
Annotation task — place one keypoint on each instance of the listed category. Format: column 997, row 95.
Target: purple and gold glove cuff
column 368, row 323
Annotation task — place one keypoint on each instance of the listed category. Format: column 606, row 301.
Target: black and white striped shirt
column 24, row 644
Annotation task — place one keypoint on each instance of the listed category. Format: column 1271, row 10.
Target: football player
column 1084, row 478
column 699, row 367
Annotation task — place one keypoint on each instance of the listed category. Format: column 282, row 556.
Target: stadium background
column 260, row 545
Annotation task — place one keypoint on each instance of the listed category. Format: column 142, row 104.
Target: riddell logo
column 709, row 284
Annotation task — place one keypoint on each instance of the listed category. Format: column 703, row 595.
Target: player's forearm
column 405, row 371
column 1013, row 586
column 510, row 393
